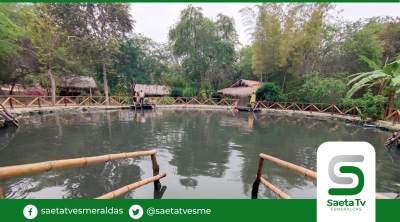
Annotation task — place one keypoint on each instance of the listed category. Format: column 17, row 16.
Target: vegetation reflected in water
column 206, row 154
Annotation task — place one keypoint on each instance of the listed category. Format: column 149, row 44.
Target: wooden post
column 256, row 183
column 38, row 100
column 332, row 109
column 90, row 96
column 311, row 107
column 1, row 192
column 11, row 105
column 156, row 171
column 26, row 104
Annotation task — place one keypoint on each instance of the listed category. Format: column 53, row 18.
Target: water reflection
column 206, row 154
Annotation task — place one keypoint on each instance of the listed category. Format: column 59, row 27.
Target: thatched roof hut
column 76, row 82
column 241, row 88
column 153, row 90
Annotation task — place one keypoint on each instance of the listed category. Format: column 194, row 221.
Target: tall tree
column 206, row 48
column 95, row 28
column 362, row 40
column 391, row 41
column 47, row 37
column 10, row 32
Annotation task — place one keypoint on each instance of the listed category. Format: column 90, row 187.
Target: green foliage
column 176, row 92
column 397, row 102
column 363, row 40
column 244, row 66
column 370, row 106
column 209, row 54
column 215, row 95
column 270, row 92
column 176, row 81
column 321, row 90
column 386, row 78
column 167, row 100
column 10, row 30
column 248, row 104
column 189, row 92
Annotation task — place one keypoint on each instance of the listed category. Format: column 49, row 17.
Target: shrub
column 215, row 95
column 176, row 92
column 270, row 92
column 189, row 92
column 321, row 90
column 34, row 92
column 370, row 106
column 168, row 100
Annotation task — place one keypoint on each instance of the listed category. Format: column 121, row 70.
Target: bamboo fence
column 298, row 169
column 19, row 170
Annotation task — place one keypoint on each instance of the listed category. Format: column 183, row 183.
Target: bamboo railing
column 19, row 170
column 295, row 168
column 130, row 187
column 274, row 189
column 23, row 101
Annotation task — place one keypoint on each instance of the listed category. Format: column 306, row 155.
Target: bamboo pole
column 275, row 189
column 156, row 171
column 298, row 169
column 256, row 183
column 1, row 192
column 18, row 170
column 130, row 187
column 380, row 196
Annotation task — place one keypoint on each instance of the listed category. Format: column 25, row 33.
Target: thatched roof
column 153, row 90
column 76, row 82
column 242, row 88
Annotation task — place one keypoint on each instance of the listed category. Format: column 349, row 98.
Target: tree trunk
column 105, row 84
column 52, row 85
column 284, row 79
column 12, row 88
column 392, row 97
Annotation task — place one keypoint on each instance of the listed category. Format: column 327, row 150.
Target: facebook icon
column 30, row 212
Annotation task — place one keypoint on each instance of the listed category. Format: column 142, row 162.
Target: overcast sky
column 154, row 19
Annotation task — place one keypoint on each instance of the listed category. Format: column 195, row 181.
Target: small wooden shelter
column 75, row 85
column 153, row 90
column 241, row 90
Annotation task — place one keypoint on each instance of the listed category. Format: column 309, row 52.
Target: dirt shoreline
column 383, row 125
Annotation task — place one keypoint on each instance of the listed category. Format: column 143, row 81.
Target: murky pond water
column 206, row 154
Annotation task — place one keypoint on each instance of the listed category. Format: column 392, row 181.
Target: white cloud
column 154, row 19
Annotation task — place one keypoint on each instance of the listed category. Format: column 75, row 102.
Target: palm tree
column 386, row 78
